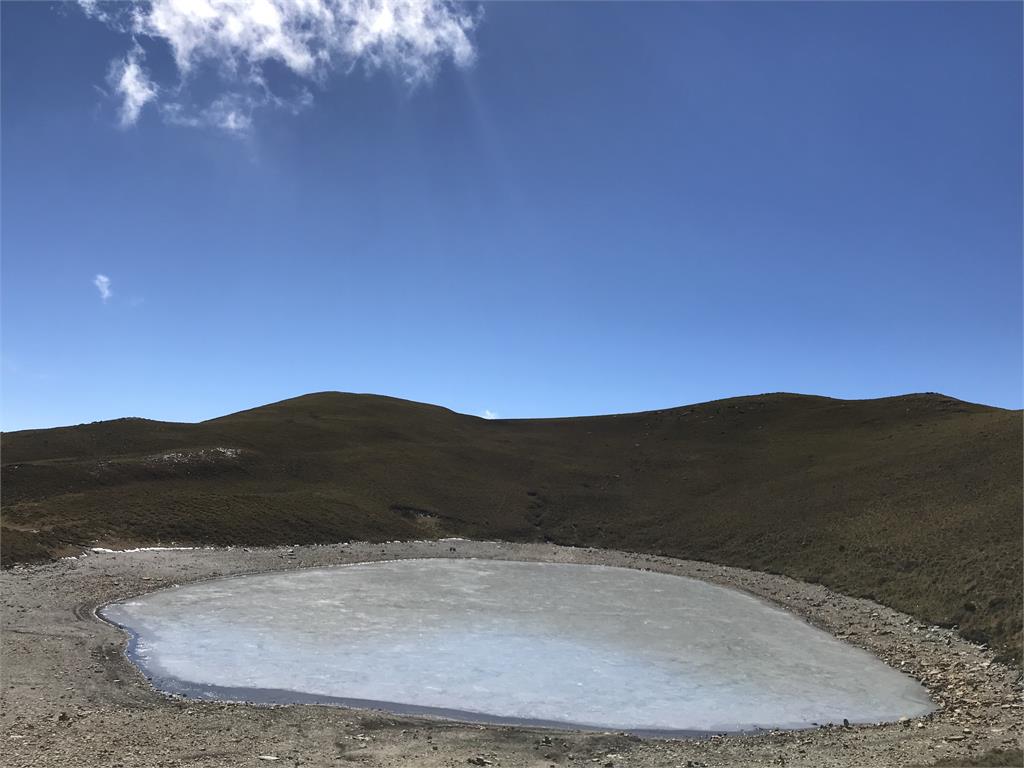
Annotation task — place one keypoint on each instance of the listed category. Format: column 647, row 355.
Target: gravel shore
column 70, row 697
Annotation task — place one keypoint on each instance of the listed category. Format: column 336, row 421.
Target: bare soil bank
column 70, row 697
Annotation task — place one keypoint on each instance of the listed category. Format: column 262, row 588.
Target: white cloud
column 230, row 114
column 489, row 414
column 131, row 83
column 309, row 38
column 102, row 283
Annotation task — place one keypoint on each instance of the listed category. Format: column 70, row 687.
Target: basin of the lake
column 536, row 643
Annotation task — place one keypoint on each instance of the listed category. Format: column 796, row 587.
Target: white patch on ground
column 102, row 550
column 205, row 454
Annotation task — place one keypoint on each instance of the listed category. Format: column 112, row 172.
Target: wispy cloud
column 132, row 85
column 102, row 283
column 14, row 368
column 489, row 414
column 310, row 38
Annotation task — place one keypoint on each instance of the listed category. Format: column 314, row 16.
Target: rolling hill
column 914, row 501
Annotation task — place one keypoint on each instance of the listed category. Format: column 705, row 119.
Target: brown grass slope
column 914, row 501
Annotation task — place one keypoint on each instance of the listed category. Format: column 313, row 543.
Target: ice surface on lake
column 608, row 647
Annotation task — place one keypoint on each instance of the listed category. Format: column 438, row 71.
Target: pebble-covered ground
column 70, row 697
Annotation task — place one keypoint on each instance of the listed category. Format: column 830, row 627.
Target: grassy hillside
column 914, row 501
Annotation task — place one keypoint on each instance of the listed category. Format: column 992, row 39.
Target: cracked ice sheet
column 612, row 648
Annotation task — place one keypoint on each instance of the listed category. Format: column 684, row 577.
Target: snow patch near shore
column 146, row 549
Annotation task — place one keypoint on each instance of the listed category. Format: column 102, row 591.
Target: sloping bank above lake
column 912, row 501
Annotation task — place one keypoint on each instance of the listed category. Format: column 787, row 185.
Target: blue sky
column 535, row 209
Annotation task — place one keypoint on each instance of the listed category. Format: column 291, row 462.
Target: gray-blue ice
column 609, row 647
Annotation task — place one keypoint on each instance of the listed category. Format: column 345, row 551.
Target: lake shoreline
column 68, row 684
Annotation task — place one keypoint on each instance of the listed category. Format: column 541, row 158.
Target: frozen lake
column 542, row 643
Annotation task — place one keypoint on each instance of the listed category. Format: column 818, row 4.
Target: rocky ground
column 70, row 697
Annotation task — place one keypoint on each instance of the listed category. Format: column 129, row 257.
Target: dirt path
column 71, row 698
